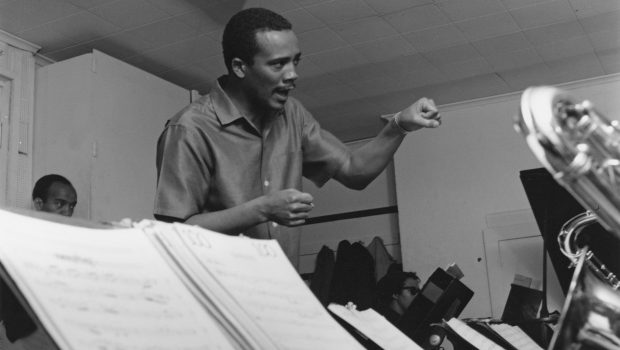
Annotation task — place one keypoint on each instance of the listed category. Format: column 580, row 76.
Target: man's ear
column 238, row 67
column 38, row 204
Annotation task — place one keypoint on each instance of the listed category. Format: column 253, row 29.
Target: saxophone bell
column 581, row 149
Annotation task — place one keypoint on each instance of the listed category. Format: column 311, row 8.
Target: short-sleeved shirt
column 210, row 157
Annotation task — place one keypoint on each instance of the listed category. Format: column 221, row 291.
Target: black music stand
column 553, row 206
column 441, row 298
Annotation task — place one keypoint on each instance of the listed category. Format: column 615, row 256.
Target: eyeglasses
column 412, row 289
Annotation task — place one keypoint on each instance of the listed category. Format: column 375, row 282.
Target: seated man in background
column 395, row 292
column 54, row 194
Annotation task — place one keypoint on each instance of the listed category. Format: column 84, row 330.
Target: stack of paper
column 374, row 327
column 472, row 336
column 256, row 287
column 490, row 335
column 515, row 336
column 102, row 289
column 161, row 286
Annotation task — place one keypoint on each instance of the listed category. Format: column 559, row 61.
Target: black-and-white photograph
column 309, row 174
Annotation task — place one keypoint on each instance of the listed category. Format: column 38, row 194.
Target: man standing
column 232, row 161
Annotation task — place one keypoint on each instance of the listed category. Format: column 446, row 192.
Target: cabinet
column 17, row 65
column 97, row 120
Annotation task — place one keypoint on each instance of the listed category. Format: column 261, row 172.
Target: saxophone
column 581, row 150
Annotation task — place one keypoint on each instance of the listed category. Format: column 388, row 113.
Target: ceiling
column 361, row 58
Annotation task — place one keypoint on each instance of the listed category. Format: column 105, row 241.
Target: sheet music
column 472, row 336
column 515, row 336
column 259, row 277
column 375, row 327
column 208, row 290
column 103, row 289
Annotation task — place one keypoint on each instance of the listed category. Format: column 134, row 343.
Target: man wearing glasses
column 395, row 292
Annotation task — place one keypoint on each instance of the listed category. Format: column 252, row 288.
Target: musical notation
column 515, row 336
column 257, row 275
column 162, row 286
column 92, row 288
column 376, row 327
column 472, row 336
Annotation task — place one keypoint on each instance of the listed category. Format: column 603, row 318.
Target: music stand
column 553, row 206
column 441, row 298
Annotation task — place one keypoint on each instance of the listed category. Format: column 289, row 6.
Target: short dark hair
column 239, row 39
column 392, row 283
column 42, row 186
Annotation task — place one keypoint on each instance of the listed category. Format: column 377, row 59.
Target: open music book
column 491, row 336
column 375, row 327
column 471, row 336
column 161, row 286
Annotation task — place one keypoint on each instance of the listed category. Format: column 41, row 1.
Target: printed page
column 214, row 297
column 103, row 289
column 472, row 336
column 515, row 336
column 375, row 327
column 260, row 279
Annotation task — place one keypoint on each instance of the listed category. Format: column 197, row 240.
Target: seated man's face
column 61, row 199
column 410, row 289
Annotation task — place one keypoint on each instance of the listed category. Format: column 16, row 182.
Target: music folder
column 468, row 337
column 160, row 286
column 374, row 327
column 485, row 335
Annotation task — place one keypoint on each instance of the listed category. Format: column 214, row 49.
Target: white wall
column 334, row 198
column 449, row 179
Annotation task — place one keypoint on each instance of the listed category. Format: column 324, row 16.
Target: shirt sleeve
column 183, row 174
column 323, row 153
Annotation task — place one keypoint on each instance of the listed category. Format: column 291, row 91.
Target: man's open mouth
column 283, row 92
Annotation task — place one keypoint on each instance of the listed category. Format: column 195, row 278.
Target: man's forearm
column 368, row 161
column 234, row 220
column 288, row 207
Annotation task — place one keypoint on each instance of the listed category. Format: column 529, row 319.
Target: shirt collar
column 225, row 111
